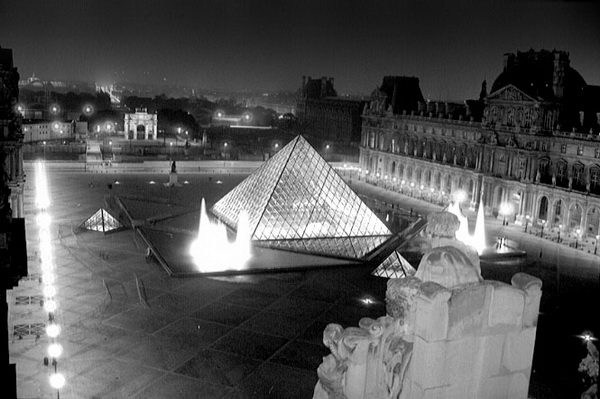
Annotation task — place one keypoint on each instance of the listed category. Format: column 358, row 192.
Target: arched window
column 543, row 213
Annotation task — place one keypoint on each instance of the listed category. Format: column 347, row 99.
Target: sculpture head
column 447, row 266
column 442, row 224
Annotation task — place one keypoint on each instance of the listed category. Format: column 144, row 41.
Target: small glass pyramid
column 101, row 221
column 297, row 201
column 394, row 266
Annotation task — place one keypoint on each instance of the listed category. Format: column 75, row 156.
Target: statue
column 173, row 167
column 538, row 176
column 429, row 315
column 553, row 179
column 570, row 182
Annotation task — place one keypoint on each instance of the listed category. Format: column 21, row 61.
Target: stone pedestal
column 173, row 180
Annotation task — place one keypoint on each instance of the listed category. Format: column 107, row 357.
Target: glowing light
column 48, row 278
column 57, row 381
column 55, row 350
column 53, row 330
column 212, row 251
column 219, row 182
column 367, row 301
column 47, row 267
column 49, row 291
column 152, row 182
column 50, row 306
column 587, row 336
column 43, row 220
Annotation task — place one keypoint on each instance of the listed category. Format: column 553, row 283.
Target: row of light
column 55, row 109
column 44, row 221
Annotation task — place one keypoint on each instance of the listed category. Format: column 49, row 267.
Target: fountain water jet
column 212, row 251
column 477, row 240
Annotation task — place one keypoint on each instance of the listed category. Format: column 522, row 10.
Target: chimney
column 561, row 62
column 509, row 60
column 323, row 87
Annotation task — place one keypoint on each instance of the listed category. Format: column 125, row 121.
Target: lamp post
column 327, row 152
column 577, row 233
column 526, row 222
column 412, row 186
column 542, row 232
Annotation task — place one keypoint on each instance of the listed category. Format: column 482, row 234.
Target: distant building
column 39, row 131
column 530, row 148
column 325, row 115
column 141, row 125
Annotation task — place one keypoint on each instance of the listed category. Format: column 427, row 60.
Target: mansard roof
column 403, row 93
column 533, row 73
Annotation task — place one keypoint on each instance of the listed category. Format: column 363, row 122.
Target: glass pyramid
column 394, row 266
column 297, row 201
column 102, row 221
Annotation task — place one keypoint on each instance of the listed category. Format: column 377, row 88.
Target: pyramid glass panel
column 394, row 266
column 297, row 198
column 101, row 221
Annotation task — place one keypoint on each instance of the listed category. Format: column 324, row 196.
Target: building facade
column 327, row 116
column 13, row 247
column 530, row 149
column 40, row 131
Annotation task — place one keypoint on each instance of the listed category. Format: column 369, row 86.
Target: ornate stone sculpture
column 447, row 333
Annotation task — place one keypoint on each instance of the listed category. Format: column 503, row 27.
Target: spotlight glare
column 53, row 330
column 49, row 291
column 55, row 350
column 57, row 381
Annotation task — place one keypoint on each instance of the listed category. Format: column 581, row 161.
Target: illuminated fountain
column 212, row 251
column 477, row 240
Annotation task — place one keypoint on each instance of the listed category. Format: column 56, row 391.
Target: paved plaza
column 130, row 331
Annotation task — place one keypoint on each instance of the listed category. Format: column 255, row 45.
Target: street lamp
column 559, row 229
column 542, row 232
column 526, row 222
column 577, row 233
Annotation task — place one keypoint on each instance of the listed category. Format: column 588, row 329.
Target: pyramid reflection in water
column 297, row 201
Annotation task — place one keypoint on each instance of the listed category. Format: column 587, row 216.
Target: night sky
column 268, row 45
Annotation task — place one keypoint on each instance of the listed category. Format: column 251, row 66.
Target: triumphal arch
column 141, row 125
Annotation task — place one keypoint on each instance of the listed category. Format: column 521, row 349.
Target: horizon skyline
column 270, row 45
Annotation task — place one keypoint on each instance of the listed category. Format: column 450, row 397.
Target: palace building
column 530, row 149
column 326, row 115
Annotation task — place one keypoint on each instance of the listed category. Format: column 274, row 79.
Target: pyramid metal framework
column 102, row 221
column 297, row 201
column 394, row 266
